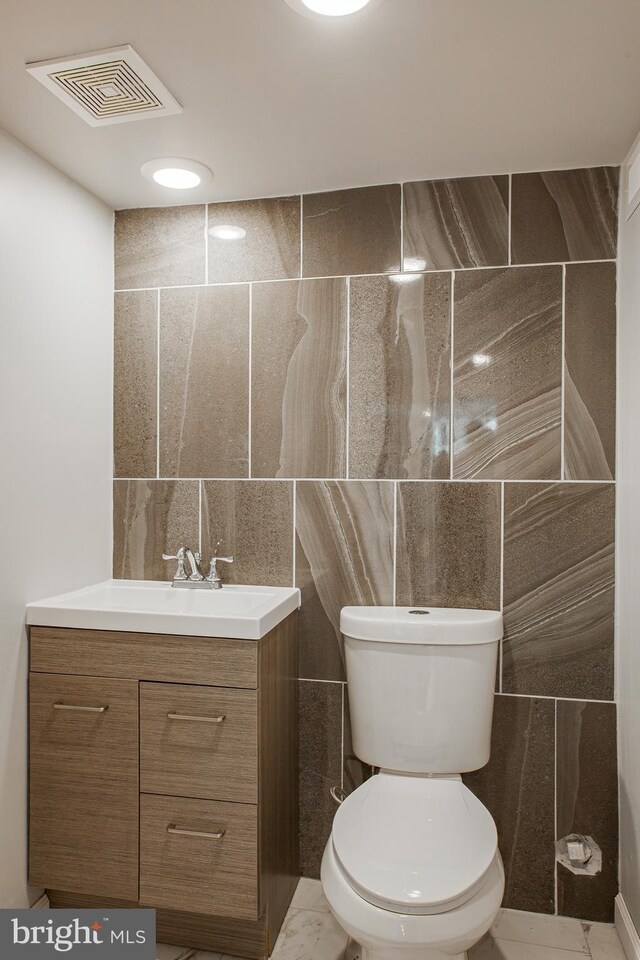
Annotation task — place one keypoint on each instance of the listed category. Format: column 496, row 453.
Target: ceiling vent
column 107, row 86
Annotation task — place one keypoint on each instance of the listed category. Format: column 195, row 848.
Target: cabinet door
column 200, row 856
column 84, row 785
column 199, row 742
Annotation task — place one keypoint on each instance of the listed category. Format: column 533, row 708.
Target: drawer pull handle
column 73, row 706
column 184, row 716
column 195, row 833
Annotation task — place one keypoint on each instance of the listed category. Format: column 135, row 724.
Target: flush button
column 420, row 613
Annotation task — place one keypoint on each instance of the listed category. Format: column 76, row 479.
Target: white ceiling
column 277, row 103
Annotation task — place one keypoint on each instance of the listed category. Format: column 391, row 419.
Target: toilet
column 412, row 868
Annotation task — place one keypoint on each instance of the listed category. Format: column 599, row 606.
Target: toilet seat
column 414, row 845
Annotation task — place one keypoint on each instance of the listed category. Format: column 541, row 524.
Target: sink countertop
column 145, row 606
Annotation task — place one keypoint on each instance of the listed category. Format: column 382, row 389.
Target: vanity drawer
column 145, row 656
column 213, row 874
column 199, row 742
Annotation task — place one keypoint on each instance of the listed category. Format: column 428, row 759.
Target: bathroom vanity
column 163, row 765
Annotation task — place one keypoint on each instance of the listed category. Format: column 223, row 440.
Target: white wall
column 56, row 281
column 628, row 557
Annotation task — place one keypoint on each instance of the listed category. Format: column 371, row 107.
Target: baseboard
column 627, row 930
column 42, row 903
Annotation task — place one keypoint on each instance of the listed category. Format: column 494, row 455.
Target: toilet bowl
column 412, row 868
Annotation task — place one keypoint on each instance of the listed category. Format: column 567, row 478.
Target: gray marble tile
column 309, row 896
column 448, row 545
column 344, row 555
column 399, row 376
column 564, row 215
column 558, row 590
column 517, row 786
column 135, row 384
column 269, row 251
column 204, row 382
column 541, row 929
column 160, row 247
column 309, row 935
column 490, row 949
column 347, row 232
column 152, row 517
column 320, row 718
column 604, row 942
column 299, row 356
column 587, row 803
column 456, row 223
column 507, row 373
column 251, row 520
column 590, row 371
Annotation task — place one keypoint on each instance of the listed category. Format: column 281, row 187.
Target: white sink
column 243, row 613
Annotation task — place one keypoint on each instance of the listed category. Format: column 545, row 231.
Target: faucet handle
column 181, row 573
column 213, row 575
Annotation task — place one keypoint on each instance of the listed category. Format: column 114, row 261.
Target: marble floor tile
column 135, row 383
column 603, row 941
column 558, row 590
column 160, row 247
column 507, row 373
column 399, row 377
column 310, row 935
column 152, row 517
column 490, row 949
column 299, row 379
column 450, row 224
column 204, row 382
column 541, row 929
column 309, row 896
column 590, row 371
column 349, row 232
column 448, row 545
column 270, row 250
column 166, row 951
column 564, row 215
column 344, row 556
column 251, row 520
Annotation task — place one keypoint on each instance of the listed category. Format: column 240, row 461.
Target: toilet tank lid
column 421, row 625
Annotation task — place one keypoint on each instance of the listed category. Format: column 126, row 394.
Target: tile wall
column 398, row 394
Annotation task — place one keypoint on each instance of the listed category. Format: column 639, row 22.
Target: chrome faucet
column 195, row 579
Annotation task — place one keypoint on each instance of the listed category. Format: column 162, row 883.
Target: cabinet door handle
column 195, row 833
column 185, row 716
column 74, row 706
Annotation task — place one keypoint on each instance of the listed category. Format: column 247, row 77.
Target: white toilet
column 412, row 869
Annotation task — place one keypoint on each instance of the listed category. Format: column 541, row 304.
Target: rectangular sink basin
column 237, row 612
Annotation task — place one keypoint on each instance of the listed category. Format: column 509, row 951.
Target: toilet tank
column 421, row 682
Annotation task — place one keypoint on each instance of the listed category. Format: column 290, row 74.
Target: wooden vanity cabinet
column 164, row 773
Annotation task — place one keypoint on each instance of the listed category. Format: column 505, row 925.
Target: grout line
column 451, row 361
column 158, row 385
column 562, row 377
column 348, row 388
column 295, row 519
column 342, row 742
column 206, row 243
column 342, row 276
column 543, row 696
column 546, row 483
column 509, row 257
column 200, row 518
column 555, row 804
column 301, row 234
column 402, row 227
column 249, row 444
column 395, row 539
column 501, row 651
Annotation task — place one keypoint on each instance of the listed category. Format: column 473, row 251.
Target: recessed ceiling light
column 329, row 8
column 225, row 231
column 176, row 173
